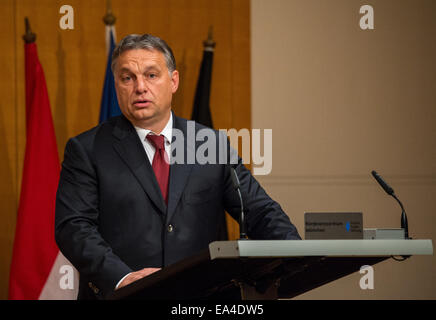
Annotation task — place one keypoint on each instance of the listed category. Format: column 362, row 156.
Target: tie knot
column 156, row 141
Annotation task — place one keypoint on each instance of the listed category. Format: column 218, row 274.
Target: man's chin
column 144, row 115
column 144, row 119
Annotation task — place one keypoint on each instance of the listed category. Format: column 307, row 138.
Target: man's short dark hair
column 145, row 41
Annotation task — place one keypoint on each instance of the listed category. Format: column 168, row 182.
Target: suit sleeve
column 265, row 219
column 77, row 221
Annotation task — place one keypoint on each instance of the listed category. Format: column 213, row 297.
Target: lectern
column 266, row 269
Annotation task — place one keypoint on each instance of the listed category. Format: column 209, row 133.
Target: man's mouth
column 141, row 103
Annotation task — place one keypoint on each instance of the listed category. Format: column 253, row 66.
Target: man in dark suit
column 123, row 209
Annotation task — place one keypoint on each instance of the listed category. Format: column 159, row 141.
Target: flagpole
column 109, row 19
column 209, row 44
column 29, row 36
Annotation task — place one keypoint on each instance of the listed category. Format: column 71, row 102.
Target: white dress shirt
column 148, row 146
column 150, row 150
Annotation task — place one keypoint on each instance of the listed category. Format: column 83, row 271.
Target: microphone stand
column 237, row 187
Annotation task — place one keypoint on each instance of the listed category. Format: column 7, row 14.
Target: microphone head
column 382, row 183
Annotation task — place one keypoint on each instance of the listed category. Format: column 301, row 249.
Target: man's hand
column 136, row 276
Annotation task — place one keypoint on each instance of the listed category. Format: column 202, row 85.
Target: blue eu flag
column 109, row 102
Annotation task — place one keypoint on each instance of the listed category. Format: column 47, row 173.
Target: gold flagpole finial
column 209, row 43
column 109, row 19
column 29, row 36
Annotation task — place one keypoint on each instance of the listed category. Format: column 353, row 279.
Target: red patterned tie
column 160, row 163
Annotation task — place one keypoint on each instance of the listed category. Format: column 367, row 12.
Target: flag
column 36, row 260
column 109, row 103
column 201, row 109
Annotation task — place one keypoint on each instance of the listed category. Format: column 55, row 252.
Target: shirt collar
column 166, row 132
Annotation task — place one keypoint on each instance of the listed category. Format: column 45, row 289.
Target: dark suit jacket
column 111, row 218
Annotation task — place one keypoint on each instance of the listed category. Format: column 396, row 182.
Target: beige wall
column 341, row 102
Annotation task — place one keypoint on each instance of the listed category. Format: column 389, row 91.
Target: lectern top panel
column 334, row 248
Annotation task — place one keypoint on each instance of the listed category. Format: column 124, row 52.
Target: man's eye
column 126, row 78
column 152, row 75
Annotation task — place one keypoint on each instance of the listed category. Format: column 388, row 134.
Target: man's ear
column 174, row 81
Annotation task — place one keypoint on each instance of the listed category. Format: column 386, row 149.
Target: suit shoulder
column 88, row 137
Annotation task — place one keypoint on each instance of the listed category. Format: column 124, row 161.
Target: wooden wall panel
column 8, row 140
column 74, row 64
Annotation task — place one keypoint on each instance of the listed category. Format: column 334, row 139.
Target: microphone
column 383, row 183
column 237, row 187
column 390, row 191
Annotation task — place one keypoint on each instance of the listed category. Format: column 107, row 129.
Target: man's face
column 145, row 87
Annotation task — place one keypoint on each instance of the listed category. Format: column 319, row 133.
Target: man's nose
column 141, row 85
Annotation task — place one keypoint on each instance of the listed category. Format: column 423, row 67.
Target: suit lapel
column 131, row 150
column 179, row 173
